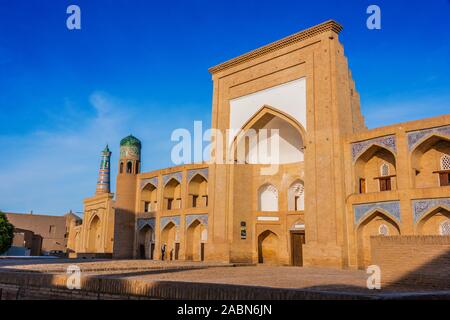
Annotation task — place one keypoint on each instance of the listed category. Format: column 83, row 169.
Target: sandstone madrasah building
column 337, row 184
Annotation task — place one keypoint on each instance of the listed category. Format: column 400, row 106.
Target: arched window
column 137, row 167
column 384, row 170
column 121, row 167
column 296, row 196
column 268, row 198
column 129, row 167
column 445, row 162
column 444, row 228
column 383, row 230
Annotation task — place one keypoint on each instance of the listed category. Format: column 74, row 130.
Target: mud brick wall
column 416, row 261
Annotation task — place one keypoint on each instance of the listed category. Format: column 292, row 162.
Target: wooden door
column 297, row 241
column 202, row 252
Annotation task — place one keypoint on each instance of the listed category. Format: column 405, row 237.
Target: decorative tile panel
column 359, row 148
column 415, row 137
column 146, row 221
column 423, row 206
column 176, row 175
column 165, row 220
column 153, row 181
column 203, row 172
column 362, row 210
column 203, row 218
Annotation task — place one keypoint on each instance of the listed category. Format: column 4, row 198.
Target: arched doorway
column 146, row 242
column 169, row 246
column 268, row 247
column 94, row 235
column 375, row 224
column 435, row 222
column 375, row 170
column 430, row 162
column 195, row 241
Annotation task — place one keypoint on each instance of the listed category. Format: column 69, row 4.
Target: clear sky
column 140, row 67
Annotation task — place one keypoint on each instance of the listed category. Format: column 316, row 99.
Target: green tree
column 6, row 233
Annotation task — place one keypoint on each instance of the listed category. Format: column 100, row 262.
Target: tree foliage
column 6, row 233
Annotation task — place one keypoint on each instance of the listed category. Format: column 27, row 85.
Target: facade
column 336, row 183
column 42, row 234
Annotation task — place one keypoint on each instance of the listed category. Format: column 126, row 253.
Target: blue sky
column 135, row 64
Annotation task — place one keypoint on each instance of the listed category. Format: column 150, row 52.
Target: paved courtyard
column 181, row 271
column 320, row 279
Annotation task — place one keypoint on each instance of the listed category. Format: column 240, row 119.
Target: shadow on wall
column 421, row 262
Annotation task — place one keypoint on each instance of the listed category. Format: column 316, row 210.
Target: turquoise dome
column 130, row 141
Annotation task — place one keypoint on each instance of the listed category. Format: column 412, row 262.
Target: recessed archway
column 375, row 170
column 146, row 242
column 375, row 224
column 433, row 223
column 267, row 198
column 255, row 143
column 268, row 247
column 296, row 196
column 428, row 169
column 195, row 241
column 198, row 192
column 169, row 249
column 149, row 198
column 94, row 235
column 172, row 195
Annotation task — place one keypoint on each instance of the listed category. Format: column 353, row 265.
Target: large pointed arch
column 293, row 132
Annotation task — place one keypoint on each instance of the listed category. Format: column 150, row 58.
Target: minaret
column 129, row 168
column 103, row 182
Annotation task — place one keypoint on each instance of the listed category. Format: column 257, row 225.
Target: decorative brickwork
column 416, row 137
column 422, row 206
column 165, row 220
column 388, row 142
column 363, row 210
column 203, row 218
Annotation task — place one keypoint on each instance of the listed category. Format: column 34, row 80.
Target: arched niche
column 149, row 198
column 371, row 168
column 198, row 192
column 428, row 168
column 172, row 195
column 268, row 198
column 377, row 223
column 434, row 222
column 296, row 196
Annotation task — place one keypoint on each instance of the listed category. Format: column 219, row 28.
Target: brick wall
column 419, row 261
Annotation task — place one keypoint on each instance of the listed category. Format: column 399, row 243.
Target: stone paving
column 182, row 271
column 321, row 279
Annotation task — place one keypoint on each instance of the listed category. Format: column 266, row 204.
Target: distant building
column 36, row 234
